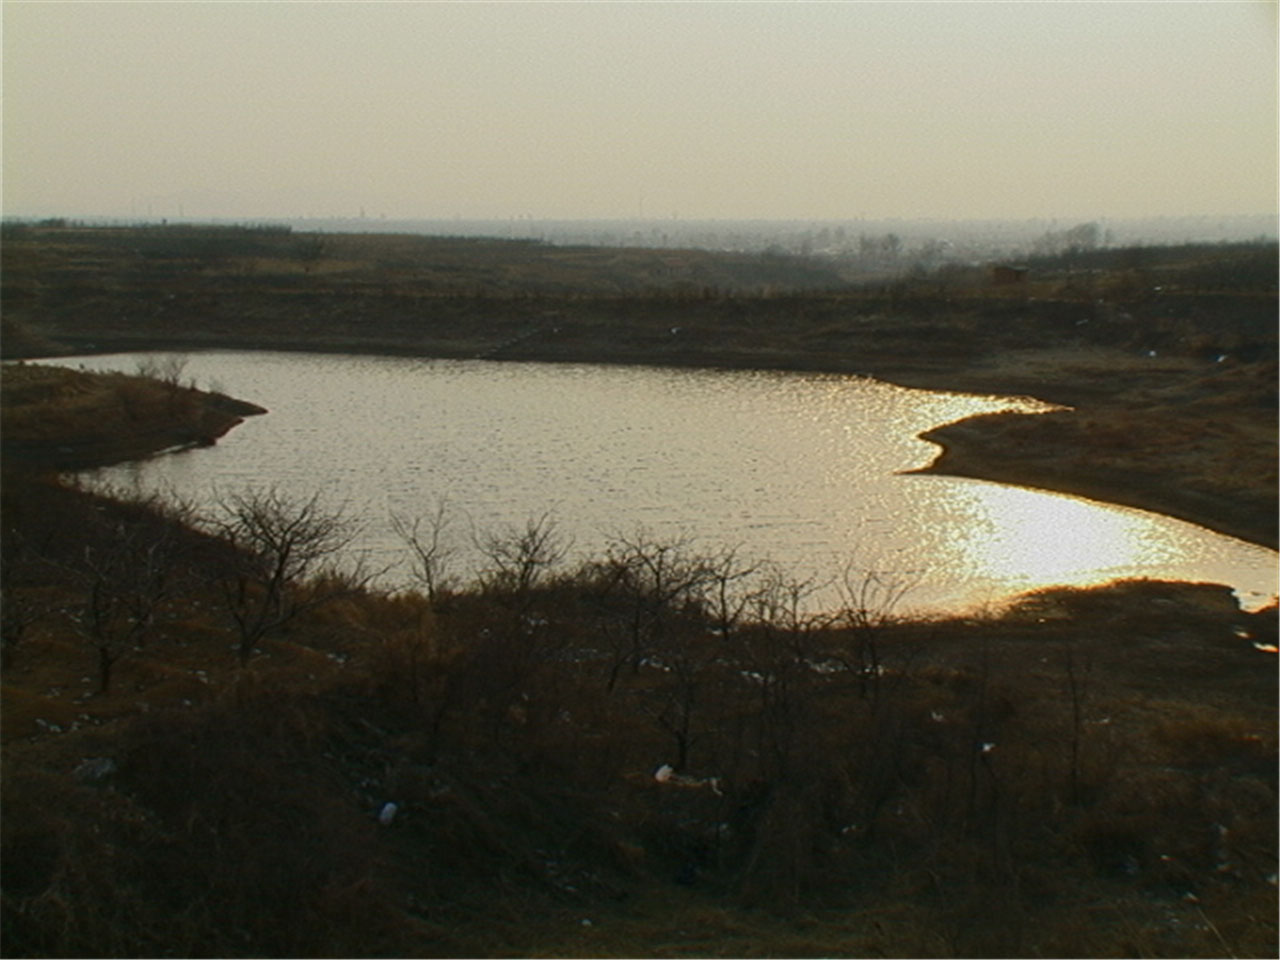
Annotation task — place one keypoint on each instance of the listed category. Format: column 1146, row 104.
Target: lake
column 801, row 469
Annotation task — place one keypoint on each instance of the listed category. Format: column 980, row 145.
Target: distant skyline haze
column 623, row 110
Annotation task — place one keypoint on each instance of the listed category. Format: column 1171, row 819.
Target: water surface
column 802, row 469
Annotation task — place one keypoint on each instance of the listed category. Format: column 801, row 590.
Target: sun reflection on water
column 1052, row 538
column 1009, row 538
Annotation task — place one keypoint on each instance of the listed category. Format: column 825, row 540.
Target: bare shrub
column 21, row 606
column 125, row 575
column 167, row 368
column 520, row 559
column 276, row 543
column 430, row 554
column 647, row 581
column 870, row 601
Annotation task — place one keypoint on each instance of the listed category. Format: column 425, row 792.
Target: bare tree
column 778, row 650
column 520, row 559
column 1077, row 677
column 780, row 599
column 652, row 578
column 430, row 555
column 167, row 368
column 277, row 543
column 20, row 609
column 726, row 589
column 716, row 589
column 686, row 664
column 871, row 599
column 126, row 579
column 662, row 598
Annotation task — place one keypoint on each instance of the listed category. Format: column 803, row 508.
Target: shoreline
column 1170, row 370
column 961, row 454
column 971, row 448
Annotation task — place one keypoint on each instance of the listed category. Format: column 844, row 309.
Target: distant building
column 1003, row 274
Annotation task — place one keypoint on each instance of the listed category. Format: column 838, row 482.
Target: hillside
column 211, row 748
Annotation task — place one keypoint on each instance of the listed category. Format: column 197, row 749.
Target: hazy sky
column 607, row 109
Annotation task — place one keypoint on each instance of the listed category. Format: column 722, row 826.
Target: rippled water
column 798, row 468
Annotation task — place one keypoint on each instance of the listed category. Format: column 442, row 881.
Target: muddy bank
column 1175, row 436
column 977, row 448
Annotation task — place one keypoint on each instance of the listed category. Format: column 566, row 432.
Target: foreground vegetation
column 654, row 753
column 1167, row 355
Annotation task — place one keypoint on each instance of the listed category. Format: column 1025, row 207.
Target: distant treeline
column 18, row 227
column 1211, row 266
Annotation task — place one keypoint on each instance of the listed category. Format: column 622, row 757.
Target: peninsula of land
column 60, row 419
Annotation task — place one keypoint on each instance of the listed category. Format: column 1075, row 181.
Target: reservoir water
column 801, row 469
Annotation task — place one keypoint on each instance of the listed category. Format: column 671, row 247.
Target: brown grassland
column 55, row 418
column 201, row 734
